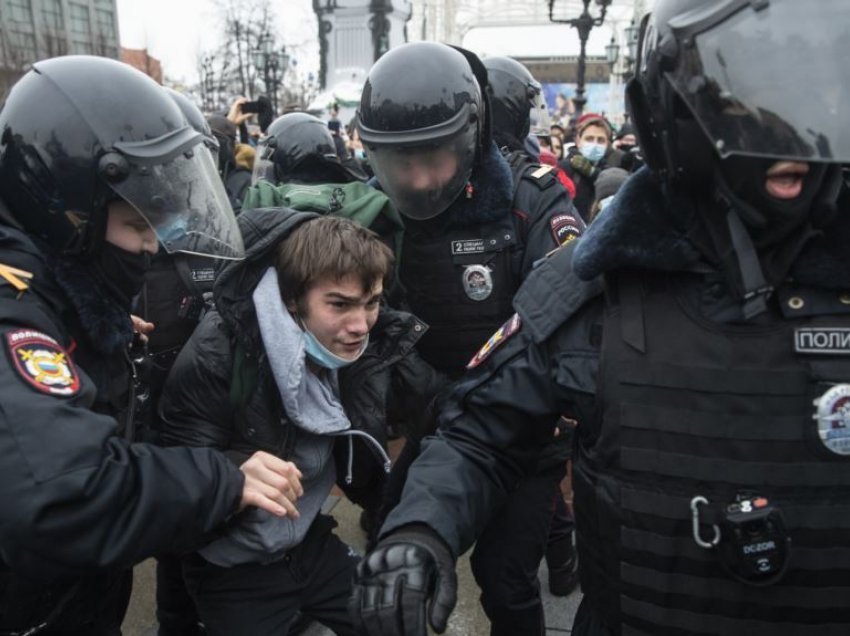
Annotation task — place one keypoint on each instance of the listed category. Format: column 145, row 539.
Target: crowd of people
column 205, row 332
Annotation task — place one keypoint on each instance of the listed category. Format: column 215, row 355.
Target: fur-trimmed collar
column 492, row 192
column 642, row 229
column 106, row 324
column 638, row 229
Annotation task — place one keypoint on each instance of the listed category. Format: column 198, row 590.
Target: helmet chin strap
column 756, row 288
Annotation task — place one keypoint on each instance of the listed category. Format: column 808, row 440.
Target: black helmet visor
column 422, row 180
column 768, row 79
column 174, row 184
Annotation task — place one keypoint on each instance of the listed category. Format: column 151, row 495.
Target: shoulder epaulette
column 15, row 277
column 542, row 171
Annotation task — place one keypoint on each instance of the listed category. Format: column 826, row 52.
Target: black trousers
column 94, row 606
column 313, row 580
column 507, row 555
column 588, row 623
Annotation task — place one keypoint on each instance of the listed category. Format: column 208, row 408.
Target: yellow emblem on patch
column 43, row 363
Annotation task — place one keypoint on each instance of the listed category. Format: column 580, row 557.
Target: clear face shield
column 423, row 180
column 541, row 121
column 173, row 183
column 263, row 164
column 769, row 81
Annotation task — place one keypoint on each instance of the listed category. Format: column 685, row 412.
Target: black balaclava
column 768, row 219
column 755, row 237
column 122, row 272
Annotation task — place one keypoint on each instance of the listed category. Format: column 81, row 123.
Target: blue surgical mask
column 360, row 154
column 323, row 357
column 593, row 152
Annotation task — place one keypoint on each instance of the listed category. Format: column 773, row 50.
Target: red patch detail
column 565, row 228
column 43, row 363
column 504, row 332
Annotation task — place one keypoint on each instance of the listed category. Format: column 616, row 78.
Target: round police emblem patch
column 42, row 363
column 833, row 418
column 477, row 282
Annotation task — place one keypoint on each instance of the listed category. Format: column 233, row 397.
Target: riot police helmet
column 195, row 118
column 298, row 147
column 79, row 132
column 766, row 79
column 423, row 124
column 516, row 101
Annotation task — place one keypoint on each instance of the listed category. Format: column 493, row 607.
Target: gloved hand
column 407, row 570
column 582, row 164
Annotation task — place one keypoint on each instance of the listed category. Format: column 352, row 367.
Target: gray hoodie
column 312, row 404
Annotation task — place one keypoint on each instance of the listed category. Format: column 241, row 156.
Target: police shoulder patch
column 504, row 332
column 42, row 363
column 564, row 228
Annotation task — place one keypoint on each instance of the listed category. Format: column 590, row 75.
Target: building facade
column 32, row 30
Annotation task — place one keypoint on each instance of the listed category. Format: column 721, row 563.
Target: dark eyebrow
column 343, row 297
column 351, row 299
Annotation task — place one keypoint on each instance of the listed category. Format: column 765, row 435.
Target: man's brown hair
column 330, row 246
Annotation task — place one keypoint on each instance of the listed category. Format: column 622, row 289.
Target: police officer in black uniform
column 97, row 165
column 517, row 102
column 698, row 334
column 472, row 233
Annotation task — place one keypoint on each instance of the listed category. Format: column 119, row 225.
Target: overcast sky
column 177, row 32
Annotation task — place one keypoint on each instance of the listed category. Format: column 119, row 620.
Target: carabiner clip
column 695, row 502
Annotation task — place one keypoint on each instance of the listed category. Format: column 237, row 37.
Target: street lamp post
column 207, row 82
column 583, row 24
column 612, row 53
column 272, row 64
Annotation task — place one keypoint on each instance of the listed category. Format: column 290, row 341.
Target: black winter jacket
column 78, row 501
column 198, row 410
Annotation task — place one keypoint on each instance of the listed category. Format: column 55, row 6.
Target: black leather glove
column 410, row 575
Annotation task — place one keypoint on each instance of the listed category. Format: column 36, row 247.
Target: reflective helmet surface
column 77, row 132
column 291, row 140
column 195, row 118
column 763, row 78
column 422, row 109
column 516, row 99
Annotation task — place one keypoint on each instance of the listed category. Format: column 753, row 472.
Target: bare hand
column 271, row 484
column 141, row 327
column 236, row 115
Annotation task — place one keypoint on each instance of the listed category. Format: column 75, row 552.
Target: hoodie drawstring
column 375, row 444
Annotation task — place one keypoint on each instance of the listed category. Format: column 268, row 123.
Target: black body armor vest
column 690, row 409
column 460, row 281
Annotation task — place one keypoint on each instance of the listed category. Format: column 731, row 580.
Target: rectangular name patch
column 469, row 246
column 830, row 341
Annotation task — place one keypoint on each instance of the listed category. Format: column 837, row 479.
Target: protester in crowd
column 262, row 371
column 608, row 183
column 591, row 154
